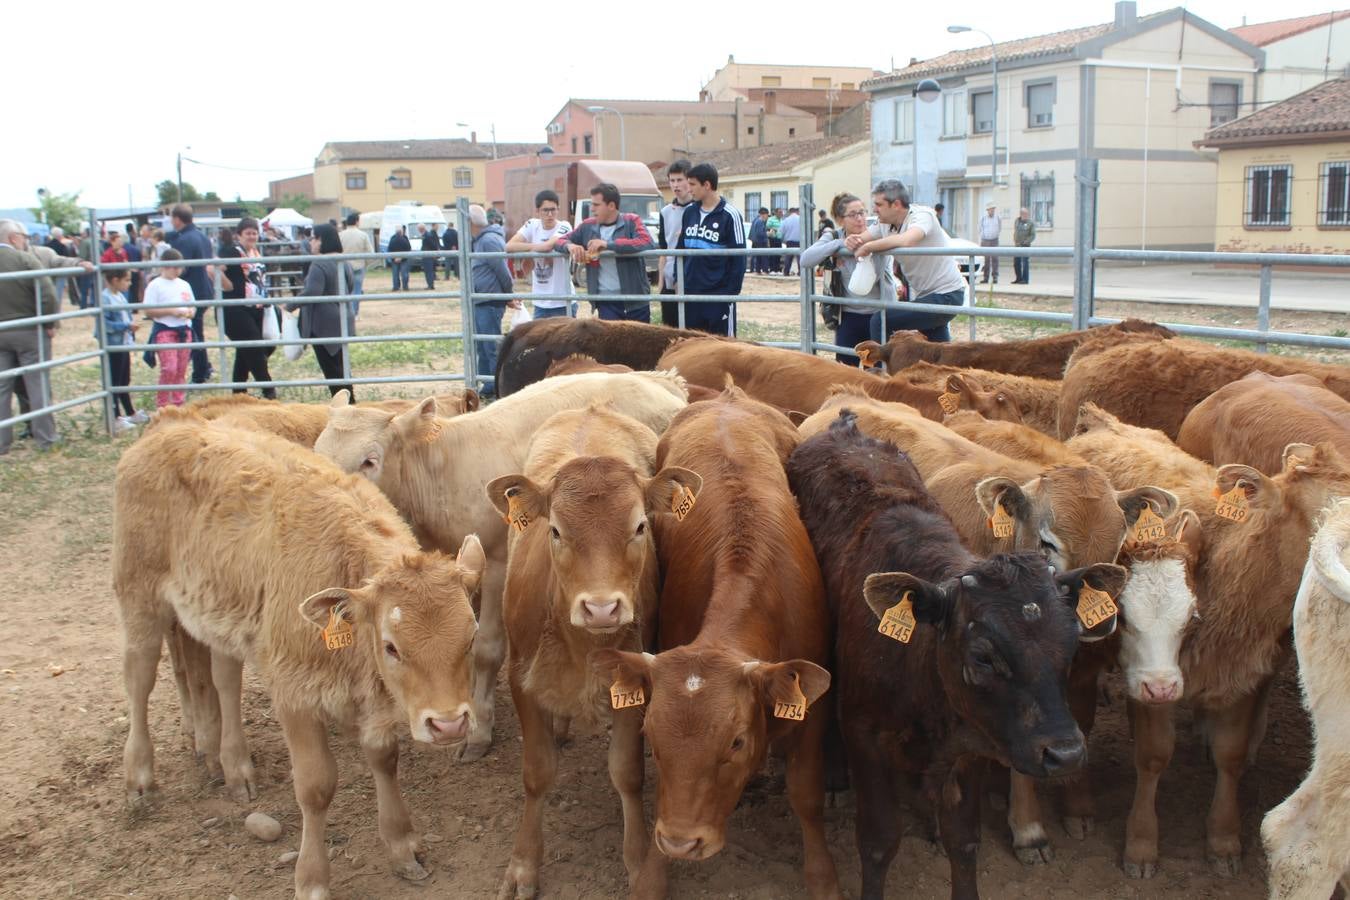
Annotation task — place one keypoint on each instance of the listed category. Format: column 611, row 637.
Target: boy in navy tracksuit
column 711, row 222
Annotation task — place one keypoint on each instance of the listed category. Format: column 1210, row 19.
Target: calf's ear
column 661, row 487
column 622, row 667
column 418, row 422
column 1296, row 455
column 779, row 682
column 1132, row 503
column 471, row 400
column 318, row 608
column 1106, row 577
column 1262, row 492
column 796, row 418
column 1185, row 528
column 516, row 494
column 1092, row 417
column 932, row 602
column 340, row 399
column 1000, row 490
column 471, row 561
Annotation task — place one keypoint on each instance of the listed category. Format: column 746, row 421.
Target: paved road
column 1203, row 285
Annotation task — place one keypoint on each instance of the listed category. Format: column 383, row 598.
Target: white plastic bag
column 290, row 331
column 520, row 316
column 864, row 277
column 271, row 331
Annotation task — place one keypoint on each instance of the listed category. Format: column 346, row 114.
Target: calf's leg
column 1307, row 837
column 1154, row 740
column 806, row 794
column 489, row 650
column 1030, row 842
column 180, row 681
column 143, row 640
column 959, row 818
column 1080, row 812
column 626, row 771
column 314, row 772
column 228, row 674
column 877, row 823
column 539, row 769
column 195, row 658
column 1231, row 743
column 396, row 828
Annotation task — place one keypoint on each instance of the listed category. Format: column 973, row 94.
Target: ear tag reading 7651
column 681, row 502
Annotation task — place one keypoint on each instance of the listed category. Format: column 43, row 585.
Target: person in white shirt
column 172, row 325
column 551, row 279
column 990, row 228
column 668, row 235
column 932, row 279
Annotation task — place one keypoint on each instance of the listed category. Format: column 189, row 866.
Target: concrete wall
column 432, row 182
column 1300, row 62
column 1303, row 235
column 722, row 86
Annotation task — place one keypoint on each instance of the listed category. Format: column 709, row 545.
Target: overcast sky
column 264, row 90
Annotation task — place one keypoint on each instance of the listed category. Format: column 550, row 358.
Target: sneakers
column 123, row 425
column 140, row 418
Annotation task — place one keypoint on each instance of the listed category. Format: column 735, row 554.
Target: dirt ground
column 64, row 829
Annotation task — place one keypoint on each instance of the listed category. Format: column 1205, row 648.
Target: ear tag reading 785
column 898, row 622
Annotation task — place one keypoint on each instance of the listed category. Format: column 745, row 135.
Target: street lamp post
column 623, row 137
column 492, row 127
column 925, row 91
column 42, row 205
column 180, row 173
column 993, row 49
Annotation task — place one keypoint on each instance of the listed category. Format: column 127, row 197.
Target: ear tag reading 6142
column 949, row 402
column 1000, row 523
column 622, row 696
column 337, row 635
column 1094, row 606
column 898, row 622
column 1149, row 526
column 794, row 709
column 516, row 517
column 682, row 502
column 1232, row 505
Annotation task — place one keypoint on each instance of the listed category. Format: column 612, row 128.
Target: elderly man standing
column 990, row 228
column 1024, row 232
column 354, row 240
column 490, row 276
column 22, row 299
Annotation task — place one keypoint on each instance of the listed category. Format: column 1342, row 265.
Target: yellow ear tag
column 864, row 358
column 898, row 622
column 1149, row 526
column 949, row 402
column 682, row 502
column 1094, row 606
column 1000, row 523
column 516, row 517
column 1233, row 505
column 621, row 696
column 794, row 709
column 338, row 633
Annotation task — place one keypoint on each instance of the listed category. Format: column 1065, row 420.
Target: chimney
column 1126, row 13
column 473, row 137
column 771, row 103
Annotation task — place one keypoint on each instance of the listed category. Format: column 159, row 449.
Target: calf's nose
column 448, row 729
column 601, row 613
column 1059, row 757
column 1162, row 690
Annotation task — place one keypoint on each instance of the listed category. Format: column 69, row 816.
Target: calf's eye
column 554, row 533
column 738, row 744
column 391, row 651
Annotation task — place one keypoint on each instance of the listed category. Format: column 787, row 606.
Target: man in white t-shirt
column 932, row 279
column 552, row 278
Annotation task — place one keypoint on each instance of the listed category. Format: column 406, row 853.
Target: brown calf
column 972, row 660
column 744, row 635
column 1155, row 385
column 1253, row 545
column 1036, row 399
column 582, row 576
column 262, row 550
column 1253, row 419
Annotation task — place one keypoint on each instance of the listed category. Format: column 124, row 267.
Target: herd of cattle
column 890, row 576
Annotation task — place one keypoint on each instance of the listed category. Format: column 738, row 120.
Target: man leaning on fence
column 488, row 276
column 19, row 299
column 616, row 272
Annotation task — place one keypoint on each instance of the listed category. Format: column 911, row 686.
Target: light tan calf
column 434, row 470
column 302, row 423
column 255, row 546
column 1246, row 577
column 1307, row 837
column 1037, row 399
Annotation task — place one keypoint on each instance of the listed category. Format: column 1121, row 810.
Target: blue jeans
column 614, row 311
column 931, row 325
column 854, row 328
column 401, row 271
column 554, row 312
column 487, row 320
column 358, row 288
column 86, row 284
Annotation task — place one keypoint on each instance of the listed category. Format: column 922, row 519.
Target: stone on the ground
column 263, row 827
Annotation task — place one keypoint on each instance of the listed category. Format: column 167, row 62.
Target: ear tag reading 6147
column 516, row 517
column 949, row 402
column 898, row 622
column 337, row 635
column 622, row 696
column 794, row 709
column 1232, row 505
column 1149, row 526
column 681, row 502
column 1000, row 523
column 1094, row 606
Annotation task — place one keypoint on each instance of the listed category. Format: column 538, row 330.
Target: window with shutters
column 1225, row 97
column 752, row 203
column 982, row 112
column 778, row 201
column 820, row 83
column 954, row 114
column 463, row 177
column 1333, row 207
column 904, row 120
column 586, row 142
column 400, row 180
column 1038, row 196
column 356, row 180
column 770, row 81
column 1040, row 101
column 1267, row 196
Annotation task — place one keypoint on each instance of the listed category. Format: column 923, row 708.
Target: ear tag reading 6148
column 794, row 709
column 337, row 635
column 949, row 402
column 681, row 502
column 622, row 696
column 1094, row 606
column 1149, row 526
column 1232, row 505
column 516, row 517
column 898, row 622
column 1000, row 523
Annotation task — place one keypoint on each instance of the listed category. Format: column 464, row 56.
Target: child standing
column 119, row 330
column 173, row 325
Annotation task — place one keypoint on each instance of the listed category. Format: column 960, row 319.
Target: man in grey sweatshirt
column 490, row 276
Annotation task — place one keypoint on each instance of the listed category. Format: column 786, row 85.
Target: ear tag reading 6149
column 949, row 402
column 794, row 709
column 622, row 696
column 1232, row 505
column 1000, row 523
column 1149, row 526
column 1094, row 606
column 337, row 635
column 681, row 502
column 516, row 517
column 898, row 622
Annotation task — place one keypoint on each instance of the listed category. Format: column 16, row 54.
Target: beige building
column 1284, row 175
column 1134, row 94
column 827, row 92
column 1300, row 53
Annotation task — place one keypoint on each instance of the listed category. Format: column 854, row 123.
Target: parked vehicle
column 411, row 215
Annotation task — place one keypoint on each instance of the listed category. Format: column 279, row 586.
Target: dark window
column 1040, row 105
column 1268, row 196
column 703, row 129
column 752, row 204
column 356, row 180
column 750, row 129
column 1038, row 196
column 982, row 112
column 574, row 145
column 1224, row 97
column 1334, row 194
column 400, row 179
column 792, row 132
column 587, row 141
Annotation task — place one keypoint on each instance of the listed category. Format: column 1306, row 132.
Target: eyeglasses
column 548, row 210
column 859, row 214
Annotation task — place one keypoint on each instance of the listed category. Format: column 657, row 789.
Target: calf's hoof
column 1079, row 827
column 312, row 893
column 1036, row 854
column 1141, row 870
column 1224, row 865
column 472, row 751
column 521, row 881
column 412, row 870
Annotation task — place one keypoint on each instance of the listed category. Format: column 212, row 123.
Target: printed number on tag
column 1094, row 606
column 516, row 517
column 898, row 622
column 949, row 402
column 1149, row 526
column 682, row 502
column 1001, row 523
column 622, row 696
column 1233, row 505
column 794, row 709
column 337, row 635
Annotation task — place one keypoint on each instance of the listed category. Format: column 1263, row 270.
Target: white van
column 411, row 215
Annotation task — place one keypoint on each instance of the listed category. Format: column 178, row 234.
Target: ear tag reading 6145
column 337, row 635
column 1000, row 523
column 949, row 402
column 1094, row 606
column 682, row 502
column 794, row 709
column 898, row 622
column 516, row 517
column 622, row 696
column 1232, row 505
column 1149, row 526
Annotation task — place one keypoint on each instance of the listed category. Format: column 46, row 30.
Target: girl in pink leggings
column 173, row 325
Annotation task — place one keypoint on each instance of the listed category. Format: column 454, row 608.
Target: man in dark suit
column 430, row 241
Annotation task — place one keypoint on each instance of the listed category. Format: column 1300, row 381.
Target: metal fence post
column 1263, row 308
column 466, row 295
column 219, row 291
column 342, row 324
column 100, row 328
column 806, row 201
column 971, row 295
column 1084, row 240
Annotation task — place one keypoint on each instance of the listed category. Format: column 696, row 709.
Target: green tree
column 62, row 210
column 168, row 192
column 297, row 202
column 252, row 208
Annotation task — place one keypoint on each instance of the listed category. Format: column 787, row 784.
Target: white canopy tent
column 285, row 217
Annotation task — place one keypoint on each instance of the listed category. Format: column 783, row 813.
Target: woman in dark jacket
column 244, row 323
column 323, row 320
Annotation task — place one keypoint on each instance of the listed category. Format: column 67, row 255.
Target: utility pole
column 180, row 176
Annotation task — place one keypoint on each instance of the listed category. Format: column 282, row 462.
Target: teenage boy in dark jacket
column 711, row 222
column 607, row 229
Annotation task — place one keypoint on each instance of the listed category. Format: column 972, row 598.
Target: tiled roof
column 440, row 148
column 771, row 157
column 1263, row 33
column 513, row 149
column 1324, row 109
column 1023, row 48
column 685, row 107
